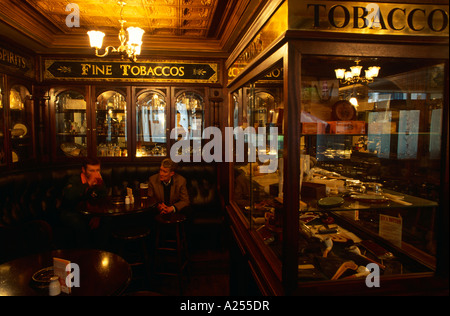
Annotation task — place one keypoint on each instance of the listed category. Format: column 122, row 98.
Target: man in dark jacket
column 86, row 187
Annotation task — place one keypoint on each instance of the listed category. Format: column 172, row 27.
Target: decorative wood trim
column 264, row 269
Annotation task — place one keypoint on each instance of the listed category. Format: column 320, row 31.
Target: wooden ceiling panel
column 167, row 17
column 170, row 25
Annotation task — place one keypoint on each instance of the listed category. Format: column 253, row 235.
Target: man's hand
column 95, row 180
column 164, row 209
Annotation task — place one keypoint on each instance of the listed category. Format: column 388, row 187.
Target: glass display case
column 111, row 124
column 258, row 168
column 71, row 124
column 151, row 124
column 100, row 121
column 357, row 190
column 189, row 119
column 21, row 124
column 372, row 150
column 2, row 126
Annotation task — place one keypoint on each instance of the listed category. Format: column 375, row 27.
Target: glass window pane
column 189, row 117
column 370, row 161
column 258, row 147
column 2, row 127
column 20, row 124
column 151, row 114
column 71, row 124
column 111, row 115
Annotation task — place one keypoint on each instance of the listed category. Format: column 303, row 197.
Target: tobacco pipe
column 362, row 271
column 344, row 267
column 355, row 250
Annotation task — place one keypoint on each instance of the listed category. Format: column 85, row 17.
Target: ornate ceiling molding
column 192, row 27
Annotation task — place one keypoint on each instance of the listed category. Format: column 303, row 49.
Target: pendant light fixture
column 354, row 75
column 131, row 49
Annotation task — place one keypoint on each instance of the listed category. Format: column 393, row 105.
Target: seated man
column 168, row 189
column 87, row 186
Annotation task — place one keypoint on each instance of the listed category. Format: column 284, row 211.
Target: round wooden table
column 101, row 273
column 116, row 206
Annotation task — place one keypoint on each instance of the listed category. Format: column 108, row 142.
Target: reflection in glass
column 20, row 124
column 397, row 116
column 258, row 181
column 71, row 124
column 151, row 124
column 189, row 117
column 111, row 110
column 2, row 130
column 386, row 146
column 189, row 114
column 236, row 109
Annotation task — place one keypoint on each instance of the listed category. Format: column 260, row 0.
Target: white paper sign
column 391, row 229
column 59, row 269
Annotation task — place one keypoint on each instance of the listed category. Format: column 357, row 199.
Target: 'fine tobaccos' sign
column 144, row 71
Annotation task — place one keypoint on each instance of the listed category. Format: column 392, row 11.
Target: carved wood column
column 216, row 105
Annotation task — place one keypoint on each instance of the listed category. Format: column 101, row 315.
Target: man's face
column 165, row 174
column 92, row 172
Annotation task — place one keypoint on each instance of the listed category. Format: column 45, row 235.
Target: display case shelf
column 20, row 125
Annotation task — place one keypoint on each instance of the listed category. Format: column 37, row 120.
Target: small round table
column 116, row 207
column 101, row 273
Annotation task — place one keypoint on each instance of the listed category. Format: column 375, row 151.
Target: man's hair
column 90, row 161
column 168, row 163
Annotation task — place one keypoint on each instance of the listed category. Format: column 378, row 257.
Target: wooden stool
column 134, row 234
column 166, row 224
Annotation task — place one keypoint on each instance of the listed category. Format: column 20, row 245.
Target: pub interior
column 312, row 137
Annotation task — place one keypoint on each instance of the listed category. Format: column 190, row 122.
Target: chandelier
column 354, row 75
column 131, row 49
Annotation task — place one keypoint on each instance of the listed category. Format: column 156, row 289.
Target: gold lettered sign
column 16, row 62
column 125, row 71
column 369, row 18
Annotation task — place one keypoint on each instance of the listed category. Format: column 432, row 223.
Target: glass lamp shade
column 135, row 36
column 374, row 70
column 348, row 75
column 340, row 73
column 96, row 38
column 356, row 70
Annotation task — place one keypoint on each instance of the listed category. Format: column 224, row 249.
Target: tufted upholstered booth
column 37, row 194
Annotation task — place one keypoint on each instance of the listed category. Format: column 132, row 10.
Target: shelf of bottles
column 20, row 123
column 189, row 118
column 151, row 124
column 2, row 127
column 111, row 130
column 71, row 124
